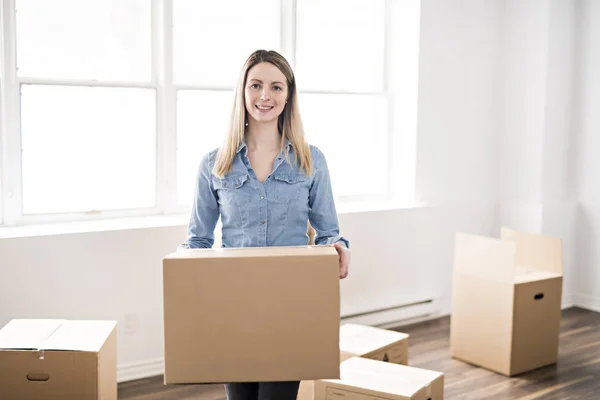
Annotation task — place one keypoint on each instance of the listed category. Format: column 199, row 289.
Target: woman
column 266, row 183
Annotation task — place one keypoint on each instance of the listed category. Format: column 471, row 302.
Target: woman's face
column 265, row 92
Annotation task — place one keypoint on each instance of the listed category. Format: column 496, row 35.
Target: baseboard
column 396, row 316
column 140, row 370
column 568, row 301
column 588, row 302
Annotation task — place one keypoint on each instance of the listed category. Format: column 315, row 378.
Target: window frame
column 399, row 177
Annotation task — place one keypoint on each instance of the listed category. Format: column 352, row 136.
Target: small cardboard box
column 251, row 314
column 506, row 301
column 363, row 379
column 58, row 359
column 374, row 343
column 368, row 342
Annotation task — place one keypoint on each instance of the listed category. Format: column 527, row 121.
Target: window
column 95, row 150
column 340, row 69
column 107, row 106
column 202, row 120
column 211, row 40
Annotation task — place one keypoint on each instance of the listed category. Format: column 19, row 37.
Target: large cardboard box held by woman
column 251, row 314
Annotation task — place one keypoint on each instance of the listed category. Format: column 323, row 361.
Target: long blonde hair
column 289, row 122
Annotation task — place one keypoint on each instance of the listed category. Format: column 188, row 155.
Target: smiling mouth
column 264, row 108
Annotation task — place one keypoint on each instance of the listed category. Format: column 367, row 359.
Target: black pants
column 262, row 390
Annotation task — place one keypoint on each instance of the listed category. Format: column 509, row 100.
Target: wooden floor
column 576, row 376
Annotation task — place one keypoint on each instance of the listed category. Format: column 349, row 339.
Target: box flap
column 526, row 274
column 37, row 334
column 27, row 333
column 540, row 252
column 362, row 339
column 484, row 257
column 80, row 335
column 271, row 251
column 384, row 377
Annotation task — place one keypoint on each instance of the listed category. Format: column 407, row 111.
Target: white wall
column 535, row 192
column 588, row 158
column 459, row 100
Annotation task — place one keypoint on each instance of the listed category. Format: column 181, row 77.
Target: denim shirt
column 256, row 214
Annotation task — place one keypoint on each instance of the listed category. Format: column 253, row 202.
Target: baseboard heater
column 395, row 316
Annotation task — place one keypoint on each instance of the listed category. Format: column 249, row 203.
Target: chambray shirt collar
column 243, row 145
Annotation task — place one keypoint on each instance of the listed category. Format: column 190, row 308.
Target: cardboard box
column 58, row 359
column 251, row 314
column 368, row 342
column 506, row 301
column 365, row 379
column 374, row 343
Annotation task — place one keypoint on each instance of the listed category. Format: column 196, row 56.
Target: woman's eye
column 277, row 87
column 254, row 86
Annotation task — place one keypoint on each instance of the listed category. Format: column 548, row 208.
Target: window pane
column 340, row 50
column 87, row 148
column 351, row 130
column 202, row 121
column 74, row 39
column 212, row 39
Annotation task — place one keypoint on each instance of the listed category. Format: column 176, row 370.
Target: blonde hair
column 289, row 121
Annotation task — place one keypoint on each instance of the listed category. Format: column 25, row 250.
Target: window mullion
column 11, row 130
column 162, row 73
column 288, row 30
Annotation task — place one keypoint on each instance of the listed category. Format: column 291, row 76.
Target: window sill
column 157, row 221
column 113, row 224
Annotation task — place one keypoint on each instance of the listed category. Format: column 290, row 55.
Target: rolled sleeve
column 322, row 214
column 205, row 209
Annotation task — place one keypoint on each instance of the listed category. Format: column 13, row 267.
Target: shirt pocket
column 233, row 189
column 289, row 186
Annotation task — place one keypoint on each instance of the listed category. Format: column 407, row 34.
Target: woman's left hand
column 344, row 253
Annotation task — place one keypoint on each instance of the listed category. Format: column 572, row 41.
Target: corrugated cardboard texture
column 365, row 379
column 482, row 306
column 58, row 359
column 306, row 390
column 252, row 314
column 505, row 315
column 374, row 343
column 536, row 324
column 107, row 368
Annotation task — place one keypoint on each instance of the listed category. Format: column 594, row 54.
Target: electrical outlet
column 130, row 323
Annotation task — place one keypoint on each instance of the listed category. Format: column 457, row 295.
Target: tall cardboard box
column 368, row 342
column 366, row 379
column 251, row 314
column 58, row 359
column 506, row 301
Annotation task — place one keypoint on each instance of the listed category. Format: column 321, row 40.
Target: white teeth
column 263, row 107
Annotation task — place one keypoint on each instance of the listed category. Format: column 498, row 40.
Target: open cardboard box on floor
column 366, row 379
column 506, row 301
column 251, row 314
column 366, row 342
column 58, row 359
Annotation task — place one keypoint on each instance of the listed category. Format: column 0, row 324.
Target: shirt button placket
column 262, row 215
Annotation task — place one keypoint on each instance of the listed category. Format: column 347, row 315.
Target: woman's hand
column 344, row 253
